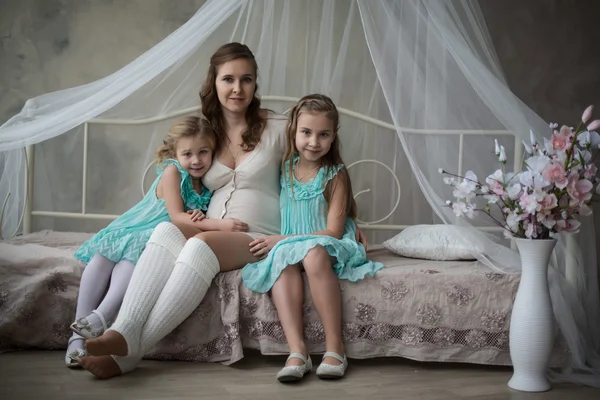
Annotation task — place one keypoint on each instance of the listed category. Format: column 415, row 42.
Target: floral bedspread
column 444, row 311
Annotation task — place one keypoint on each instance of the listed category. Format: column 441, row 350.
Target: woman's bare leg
column 231, row 248
column 288, row 296
column 326, row 296
column 188, row 231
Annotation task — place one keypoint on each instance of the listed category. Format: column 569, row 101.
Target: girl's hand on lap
column 232, row 225
column 196, row 215
column 260, row 247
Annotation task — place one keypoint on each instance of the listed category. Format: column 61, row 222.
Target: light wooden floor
column 42, row 375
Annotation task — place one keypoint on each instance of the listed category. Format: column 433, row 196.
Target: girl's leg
column 288, row 296
column 327, row 298
column 119, row 281
column 92, row 286
column 200, row 260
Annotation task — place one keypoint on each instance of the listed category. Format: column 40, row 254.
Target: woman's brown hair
column 320, row 104
column 211, row 106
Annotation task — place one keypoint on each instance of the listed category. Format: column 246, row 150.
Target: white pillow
column 431, row 242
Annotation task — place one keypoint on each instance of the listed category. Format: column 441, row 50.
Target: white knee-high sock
column 147, row 282
column 194, row 271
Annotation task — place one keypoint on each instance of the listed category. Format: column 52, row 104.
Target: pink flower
column 495, row 183
column 584, row 210
column 590, row 171
column 579, row 189
column 567, row 225
column 497, row 188
column 566, row 132
column 491, row 198
column 530, row 230
column 587, row 114
column 555, row 172
column 594, row 125
column 549, row 202
column 546, row 219
column 559, row 142
column 530, row 203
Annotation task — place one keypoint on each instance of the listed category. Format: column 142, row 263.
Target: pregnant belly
column 259, row 210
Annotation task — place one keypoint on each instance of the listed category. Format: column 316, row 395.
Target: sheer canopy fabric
column 425, row 67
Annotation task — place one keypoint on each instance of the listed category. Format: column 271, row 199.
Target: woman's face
column 236, row 81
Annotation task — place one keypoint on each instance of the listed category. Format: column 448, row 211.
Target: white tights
column 93, row 293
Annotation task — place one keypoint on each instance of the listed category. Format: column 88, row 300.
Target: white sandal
column 72, row 358
column 293, row 373
column 329, row 371
column 83, row 327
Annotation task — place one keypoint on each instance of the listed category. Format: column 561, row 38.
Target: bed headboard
column 29, row 212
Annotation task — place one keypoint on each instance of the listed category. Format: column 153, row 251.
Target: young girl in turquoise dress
column 177, row 195
column 317, row 234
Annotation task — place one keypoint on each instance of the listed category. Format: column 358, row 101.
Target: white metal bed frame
column 29, row 213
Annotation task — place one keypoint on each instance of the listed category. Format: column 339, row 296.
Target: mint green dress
column 126, row 237
column 302, row 213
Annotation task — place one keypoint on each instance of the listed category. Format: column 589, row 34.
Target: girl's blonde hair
column 320, row 104
column 186, row 127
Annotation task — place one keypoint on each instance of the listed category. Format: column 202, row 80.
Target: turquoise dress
column 126, row 237
column 303, row 212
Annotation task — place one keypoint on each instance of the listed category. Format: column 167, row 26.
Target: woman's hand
column 196, row 215
column 361, row 238
column 260, row 247
column 232, row 225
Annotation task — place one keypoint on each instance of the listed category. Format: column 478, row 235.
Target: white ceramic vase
column 532, row 319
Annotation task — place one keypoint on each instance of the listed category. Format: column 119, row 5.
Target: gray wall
column 549, row 52
column 547, row 48
column 47, row 45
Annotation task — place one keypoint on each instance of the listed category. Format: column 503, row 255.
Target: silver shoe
column 83, row 327
column 293, row 373
column 72, row 358
column 328, row 371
